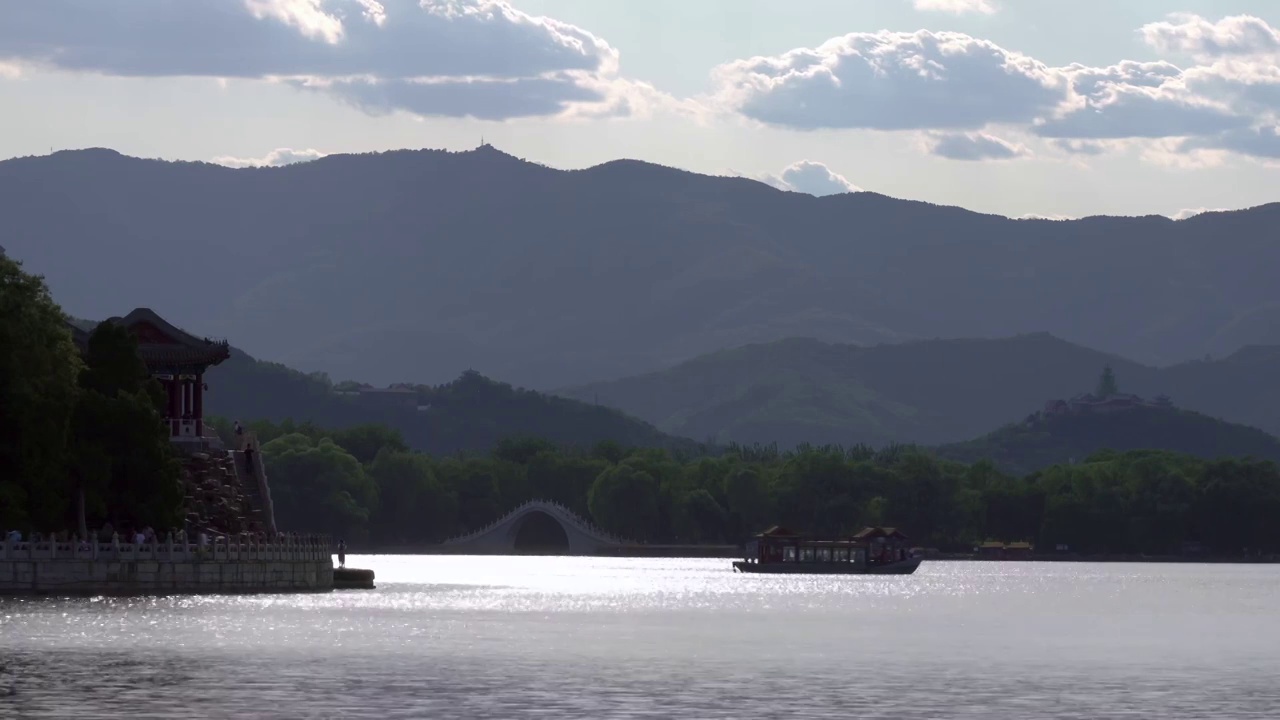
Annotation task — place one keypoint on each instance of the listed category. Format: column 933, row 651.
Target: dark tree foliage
column 1140, row 501
column 38, row 370
column 81, row 442
column 122, row 458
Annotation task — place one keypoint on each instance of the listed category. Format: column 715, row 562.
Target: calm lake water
column 498, row 637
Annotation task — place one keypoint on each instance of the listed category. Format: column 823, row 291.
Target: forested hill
column 1042, row 441
column 412, row 265
column 928, row 392
column 472, row 413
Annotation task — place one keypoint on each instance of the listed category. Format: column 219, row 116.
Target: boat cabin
column 868, row 548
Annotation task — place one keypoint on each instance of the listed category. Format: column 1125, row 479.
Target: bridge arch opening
column 540, row 534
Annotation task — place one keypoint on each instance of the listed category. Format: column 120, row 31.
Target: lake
column 543, row 637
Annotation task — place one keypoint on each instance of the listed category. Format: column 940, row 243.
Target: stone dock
column 285, row 564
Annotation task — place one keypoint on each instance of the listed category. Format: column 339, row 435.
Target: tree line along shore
column 82, row 443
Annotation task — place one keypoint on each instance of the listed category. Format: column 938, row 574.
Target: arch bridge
column 537, row 526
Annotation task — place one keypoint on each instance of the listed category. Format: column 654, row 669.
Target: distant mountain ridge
column 413, row 265
column 927, row 392
column 1044, row 440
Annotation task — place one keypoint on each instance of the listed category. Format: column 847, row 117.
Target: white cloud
column 1196, row 36
column 892, row 81
column 1037, row 216
column 10, row 70
column 809, row 176
column 1083, row 147
column 966, row 92
column 974, row 146
column 275, row 158
column 480, row 58
column 1187, row 213
column 957, row 7
column 1136, row 100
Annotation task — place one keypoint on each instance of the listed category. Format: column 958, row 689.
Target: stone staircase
column 250, row 487
column 216, row 498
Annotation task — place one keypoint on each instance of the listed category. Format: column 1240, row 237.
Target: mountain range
column 416, row 265
column 929, row 392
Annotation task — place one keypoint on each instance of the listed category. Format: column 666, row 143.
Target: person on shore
column 342, row 553
column 248, row 457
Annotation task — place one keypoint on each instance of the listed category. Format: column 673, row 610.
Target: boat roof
column 870, row 533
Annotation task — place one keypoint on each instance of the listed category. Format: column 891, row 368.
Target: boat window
column 789, row 554
column 824, row 554
column 859, row 555
column 842, row 554
column 806, row 554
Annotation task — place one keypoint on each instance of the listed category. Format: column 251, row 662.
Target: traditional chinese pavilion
column 178, row 360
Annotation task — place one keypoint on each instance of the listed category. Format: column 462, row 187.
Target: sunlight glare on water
column 503, row 637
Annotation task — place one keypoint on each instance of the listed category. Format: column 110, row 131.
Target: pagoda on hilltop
column 178, row 360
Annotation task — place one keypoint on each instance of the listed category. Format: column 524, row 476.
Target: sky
column 1051, row 108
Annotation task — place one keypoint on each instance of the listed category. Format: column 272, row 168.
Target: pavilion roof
column 161, row 342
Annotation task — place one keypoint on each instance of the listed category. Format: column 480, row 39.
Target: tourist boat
column 873, row 551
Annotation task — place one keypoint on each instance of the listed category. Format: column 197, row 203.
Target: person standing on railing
column 342, row 553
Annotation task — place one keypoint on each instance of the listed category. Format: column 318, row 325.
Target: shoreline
column 733, row 552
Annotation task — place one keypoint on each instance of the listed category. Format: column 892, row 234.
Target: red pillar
column 175, row 405
column 198, row 408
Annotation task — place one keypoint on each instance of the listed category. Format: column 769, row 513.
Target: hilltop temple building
column 226, row 490
column 178, row 360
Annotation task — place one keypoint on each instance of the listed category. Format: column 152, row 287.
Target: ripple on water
column 450, row 637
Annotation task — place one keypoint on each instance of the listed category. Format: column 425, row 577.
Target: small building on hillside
column 178, row 360
column 391, row 397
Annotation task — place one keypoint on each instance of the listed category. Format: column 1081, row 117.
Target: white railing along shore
column 286, row 548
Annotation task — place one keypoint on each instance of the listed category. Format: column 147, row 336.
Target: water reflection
column 451, row 637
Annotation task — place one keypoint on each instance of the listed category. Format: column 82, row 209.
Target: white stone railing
column 285, row 548
column 560, row 512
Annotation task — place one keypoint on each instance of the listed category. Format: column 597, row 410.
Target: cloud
column 428, row 57
column 1261, row 142
column 1136, row 100
column 10, row 70
column 275, row 158
column 814, row 178
column 1196, row 36
column 1082, row 147
column 1187, row 213
column 974, row 146
column 892, row 81
column 957, row 7
column 1038, row 216
column 964, row 91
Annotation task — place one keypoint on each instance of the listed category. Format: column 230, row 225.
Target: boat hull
column 902, row 567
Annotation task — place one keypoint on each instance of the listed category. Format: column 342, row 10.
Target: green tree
column 748, row 501
column 319, row 486
column 1107, row 383
column 413, row 506
column 624, row 501
column 366, row 441
column 122, row 461
column 39, row 367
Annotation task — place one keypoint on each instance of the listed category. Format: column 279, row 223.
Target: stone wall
column 290, row 564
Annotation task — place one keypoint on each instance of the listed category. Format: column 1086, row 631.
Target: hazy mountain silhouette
column 469, row 414
column 413, row 265
column 1042, row 441
column 928, row 392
